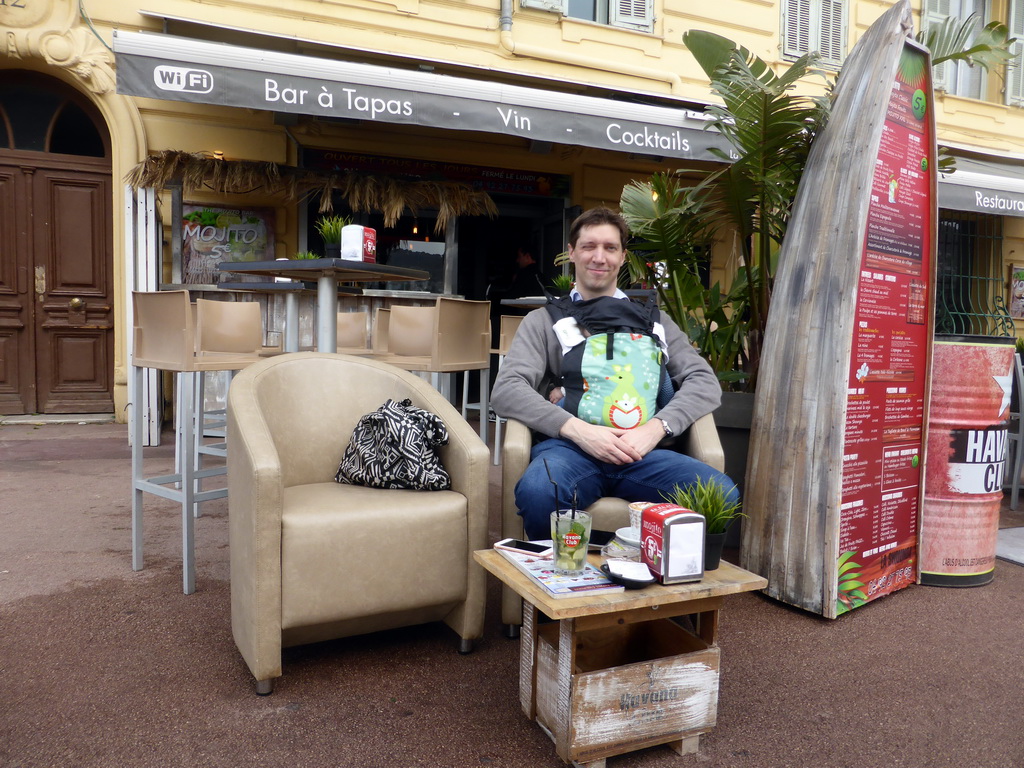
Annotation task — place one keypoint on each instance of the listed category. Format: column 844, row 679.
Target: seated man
column 589, row 459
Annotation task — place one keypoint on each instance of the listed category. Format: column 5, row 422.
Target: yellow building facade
column 550, row 106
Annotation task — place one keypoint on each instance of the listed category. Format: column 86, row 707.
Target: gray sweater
column 534, row 363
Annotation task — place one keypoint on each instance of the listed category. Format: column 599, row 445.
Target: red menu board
column 883, row 449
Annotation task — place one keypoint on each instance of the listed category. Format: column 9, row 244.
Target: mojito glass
column 570, row 537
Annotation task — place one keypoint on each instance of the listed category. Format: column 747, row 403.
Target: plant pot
column 733, row 419
column 332, row 250
column 713, row 543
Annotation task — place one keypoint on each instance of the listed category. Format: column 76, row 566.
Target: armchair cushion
column 334, row 536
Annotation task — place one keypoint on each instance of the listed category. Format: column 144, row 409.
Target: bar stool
column 507, row 328
column 353, row 338
column 164, row 338
column 232, row 330
column 453, row 335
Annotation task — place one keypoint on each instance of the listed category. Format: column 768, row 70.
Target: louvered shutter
column 796, row 28
column 832, row 36
column 1015, row 67
column 970, row 81
column 935, row 12
column 555, row 6
column 635, row 14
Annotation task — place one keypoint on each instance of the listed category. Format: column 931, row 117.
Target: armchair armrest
column 254, row 520
column 515, row 460
column 702, row 442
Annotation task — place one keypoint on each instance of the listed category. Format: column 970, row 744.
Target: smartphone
column 525, row 547
column 599, row 538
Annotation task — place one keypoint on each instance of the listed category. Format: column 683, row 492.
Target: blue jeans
column 574, row 469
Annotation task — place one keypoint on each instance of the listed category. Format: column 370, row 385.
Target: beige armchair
column 312, row 559
column 609, row 513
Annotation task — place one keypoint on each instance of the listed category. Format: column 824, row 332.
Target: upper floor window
column 631, row 14
column 1015, row 67
column 814, row 25
column 956, row 77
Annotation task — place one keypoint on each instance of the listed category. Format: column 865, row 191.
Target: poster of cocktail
column 885, row 414
column 211, row 234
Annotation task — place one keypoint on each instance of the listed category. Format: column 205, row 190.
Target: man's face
column 598, row 256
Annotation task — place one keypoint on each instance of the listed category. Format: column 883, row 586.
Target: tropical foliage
column 965, row 40
column 770, row 130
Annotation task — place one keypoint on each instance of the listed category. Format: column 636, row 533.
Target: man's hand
column 645, row 437
column 611, row 445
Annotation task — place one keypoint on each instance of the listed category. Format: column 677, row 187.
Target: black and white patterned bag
column 396, row 447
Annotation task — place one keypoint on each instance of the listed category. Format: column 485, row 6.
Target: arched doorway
column 56, row 263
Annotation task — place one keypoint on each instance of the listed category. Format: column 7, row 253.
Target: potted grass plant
column 329, row 228
column 561, row 285
column 711, row 499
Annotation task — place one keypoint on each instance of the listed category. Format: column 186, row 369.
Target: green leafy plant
column 955, row 39
column 770, row 131
column 670, row 242
column 329, row 228
column 301, row 255
column 562, row 284
column 710, row 499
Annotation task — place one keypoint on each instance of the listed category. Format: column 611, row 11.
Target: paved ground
column 101, row 666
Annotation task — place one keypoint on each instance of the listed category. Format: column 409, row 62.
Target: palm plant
column 671, row 241
column 967, row 41
column 770, row 131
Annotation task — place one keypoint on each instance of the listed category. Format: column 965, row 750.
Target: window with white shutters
column 815, row 25
column 636, row 14
column 630, row 14
column 956, row 77
column 1015, row 67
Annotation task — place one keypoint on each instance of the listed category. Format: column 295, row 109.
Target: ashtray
column 616, row 550
column 628, row 574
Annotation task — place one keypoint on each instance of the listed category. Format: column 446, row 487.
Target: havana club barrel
column 968, row 420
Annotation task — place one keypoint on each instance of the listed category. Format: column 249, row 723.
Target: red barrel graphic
column 968, row 420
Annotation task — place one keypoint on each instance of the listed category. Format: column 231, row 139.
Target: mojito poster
column 883, row 447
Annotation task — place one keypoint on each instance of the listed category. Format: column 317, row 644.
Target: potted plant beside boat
column 711, row 499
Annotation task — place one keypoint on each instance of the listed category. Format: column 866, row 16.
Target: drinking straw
column 548, row 470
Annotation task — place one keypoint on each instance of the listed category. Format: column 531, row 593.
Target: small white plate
column 626, row 536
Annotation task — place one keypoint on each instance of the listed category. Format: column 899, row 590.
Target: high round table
column 328, row 273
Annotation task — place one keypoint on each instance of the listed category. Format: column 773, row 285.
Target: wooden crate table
column 613, row 674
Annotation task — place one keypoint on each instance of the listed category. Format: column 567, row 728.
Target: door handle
column 77, row 303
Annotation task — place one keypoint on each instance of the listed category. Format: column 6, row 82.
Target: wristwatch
column 666, row 427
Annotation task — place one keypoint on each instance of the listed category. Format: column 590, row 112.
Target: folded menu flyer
column 540, row 568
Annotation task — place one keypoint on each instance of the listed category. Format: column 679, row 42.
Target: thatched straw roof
column 362, row 191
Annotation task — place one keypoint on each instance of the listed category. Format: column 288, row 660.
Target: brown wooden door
column 56, row 286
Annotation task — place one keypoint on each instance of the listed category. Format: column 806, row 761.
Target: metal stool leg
column 187, row 459
column 138, row 421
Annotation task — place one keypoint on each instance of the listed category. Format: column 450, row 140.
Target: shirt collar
column 574, row 295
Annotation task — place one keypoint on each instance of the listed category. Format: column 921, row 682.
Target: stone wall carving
column 45, row 31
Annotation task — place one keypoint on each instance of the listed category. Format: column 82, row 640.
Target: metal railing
column 969, row 296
